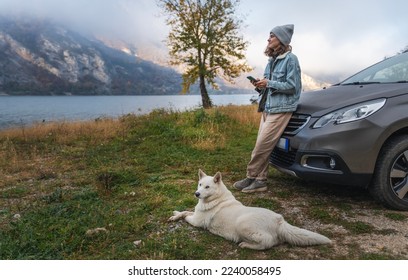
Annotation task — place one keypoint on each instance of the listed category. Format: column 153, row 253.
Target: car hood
column 320, row 102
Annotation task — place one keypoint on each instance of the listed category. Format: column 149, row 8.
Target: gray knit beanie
column 284, row 33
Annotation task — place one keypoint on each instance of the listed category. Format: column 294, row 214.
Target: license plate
column 283, row 144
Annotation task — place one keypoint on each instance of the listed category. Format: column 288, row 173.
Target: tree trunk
column 204, row 94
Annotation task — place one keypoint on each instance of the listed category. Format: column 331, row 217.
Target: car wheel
column 390, row 181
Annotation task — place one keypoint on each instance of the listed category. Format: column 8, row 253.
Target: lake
column 19, row 111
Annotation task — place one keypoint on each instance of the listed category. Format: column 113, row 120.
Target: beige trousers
column 271, row 128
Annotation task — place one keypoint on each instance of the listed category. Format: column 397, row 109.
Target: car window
column 391, row 70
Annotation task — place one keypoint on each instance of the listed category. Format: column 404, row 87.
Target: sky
column 332, row 39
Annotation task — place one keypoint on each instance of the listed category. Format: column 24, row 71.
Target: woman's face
column 273, row 41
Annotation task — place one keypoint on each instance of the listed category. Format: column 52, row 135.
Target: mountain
column 154, row 53
column 310, row 83
column 41, row 57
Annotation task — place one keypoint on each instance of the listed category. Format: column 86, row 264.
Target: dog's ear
column 217, row 177
column 201, row 174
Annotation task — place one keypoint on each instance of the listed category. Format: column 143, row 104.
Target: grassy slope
column 127, row 176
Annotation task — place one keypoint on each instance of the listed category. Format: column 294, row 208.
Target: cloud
column 126, row 19
column 331, row 39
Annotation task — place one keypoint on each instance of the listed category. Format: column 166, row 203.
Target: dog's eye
column 207, row 187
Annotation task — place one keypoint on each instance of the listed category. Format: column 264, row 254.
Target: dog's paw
column 172, row 219
column 176, row 216
column 242, row 244
column 253, row 246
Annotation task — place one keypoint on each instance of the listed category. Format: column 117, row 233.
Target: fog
column 129, row 20
column 331, row 39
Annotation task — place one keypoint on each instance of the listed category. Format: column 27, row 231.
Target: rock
column 137, row 243
column 95, row 231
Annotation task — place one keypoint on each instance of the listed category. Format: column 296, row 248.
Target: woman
column 281, row 86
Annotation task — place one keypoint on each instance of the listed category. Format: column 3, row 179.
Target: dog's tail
column 300, row 237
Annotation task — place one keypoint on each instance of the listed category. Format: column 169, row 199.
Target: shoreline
column 23, row 111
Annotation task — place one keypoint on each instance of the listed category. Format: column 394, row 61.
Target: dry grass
column 65, row 132
column 209, row 135
column 243, row 114
column 25, row 151
column 33, row 152
column 106, row 129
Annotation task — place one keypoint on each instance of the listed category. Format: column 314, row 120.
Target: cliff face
column 39, row 57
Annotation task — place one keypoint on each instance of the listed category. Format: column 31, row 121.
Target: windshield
column 390, row 70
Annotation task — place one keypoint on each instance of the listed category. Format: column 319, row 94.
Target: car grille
column 282, row 158
column 296, row 123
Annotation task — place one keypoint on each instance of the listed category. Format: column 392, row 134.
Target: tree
column 204, row 38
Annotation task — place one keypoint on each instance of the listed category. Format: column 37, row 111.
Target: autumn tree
column 205, row 40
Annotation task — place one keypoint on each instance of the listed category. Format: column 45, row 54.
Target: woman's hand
column 261, row 84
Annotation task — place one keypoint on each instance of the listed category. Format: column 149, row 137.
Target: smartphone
column 252, row 79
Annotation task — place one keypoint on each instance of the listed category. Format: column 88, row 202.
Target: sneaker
column 240, row 185
column 256, row 186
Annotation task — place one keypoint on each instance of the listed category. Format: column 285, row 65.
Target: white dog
column 255, row 228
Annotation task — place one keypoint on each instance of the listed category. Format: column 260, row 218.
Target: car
column 353, row 133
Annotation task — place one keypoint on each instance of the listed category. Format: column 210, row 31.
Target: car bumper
column 334, row 154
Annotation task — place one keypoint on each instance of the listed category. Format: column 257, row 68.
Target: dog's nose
column 197, row 194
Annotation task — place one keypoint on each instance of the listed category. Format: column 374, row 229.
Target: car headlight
column 351, row 113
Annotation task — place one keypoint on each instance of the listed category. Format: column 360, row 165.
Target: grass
column 125, row 176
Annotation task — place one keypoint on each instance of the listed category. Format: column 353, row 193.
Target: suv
column 354, row 133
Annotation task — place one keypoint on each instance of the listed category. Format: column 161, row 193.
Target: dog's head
column 208, row 186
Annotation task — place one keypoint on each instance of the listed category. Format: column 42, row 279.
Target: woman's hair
column 281, row 49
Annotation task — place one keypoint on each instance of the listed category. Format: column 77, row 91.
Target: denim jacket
column 284, row 85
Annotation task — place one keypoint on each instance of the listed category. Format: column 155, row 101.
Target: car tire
column 390, row 181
